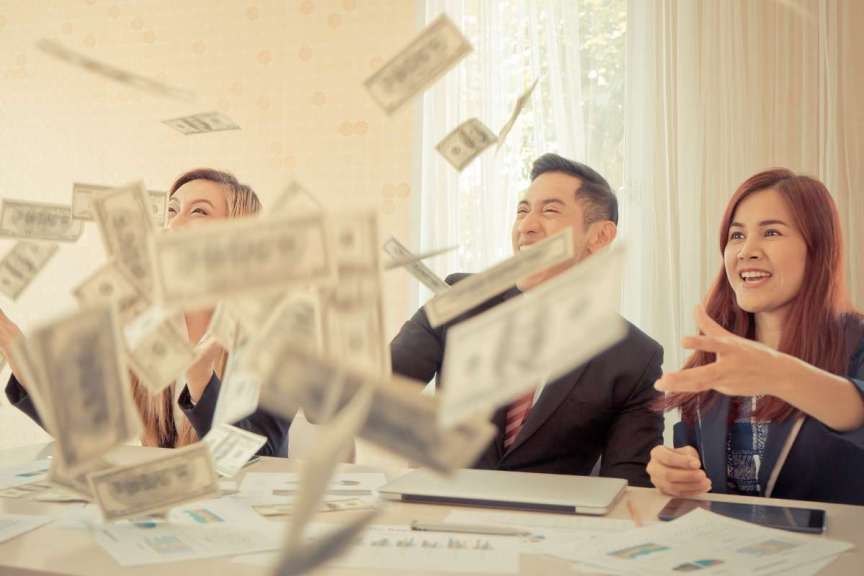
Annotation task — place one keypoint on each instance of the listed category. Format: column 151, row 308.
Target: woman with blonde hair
column 174, row 418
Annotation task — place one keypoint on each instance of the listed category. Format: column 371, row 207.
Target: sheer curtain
column 515, row 42
column 716, row 91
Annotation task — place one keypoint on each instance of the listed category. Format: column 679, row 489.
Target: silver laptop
column 514, row 490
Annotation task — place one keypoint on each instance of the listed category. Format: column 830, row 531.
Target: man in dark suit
column 602, row 410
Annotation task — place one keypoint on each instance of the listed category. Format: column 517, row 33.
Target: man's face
column 548, row 206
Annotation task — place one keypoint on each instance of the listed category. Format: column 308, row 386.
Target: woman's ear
column 600, row 235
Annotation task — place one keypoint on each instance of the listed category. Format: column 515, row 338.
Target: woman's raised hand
column 743, row 367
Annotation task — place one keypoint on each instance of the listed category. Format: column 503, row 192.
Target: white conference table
column 48, row 550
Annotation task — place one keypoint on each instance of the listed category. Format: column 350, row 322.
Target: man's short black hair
column 601, row 203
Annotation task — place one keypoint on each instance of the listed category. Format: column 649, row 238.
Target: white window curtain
column 515, row 42
column 718, row 90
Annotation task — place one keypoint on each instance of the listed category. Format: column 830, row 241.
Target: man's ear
column 600, row 235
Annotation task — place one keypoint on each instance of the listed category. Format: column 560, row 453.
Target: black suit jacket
column 200, row 415
column 603, row 409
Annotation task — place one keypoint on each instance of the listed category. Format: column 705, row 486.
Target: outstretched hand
column 743, row 367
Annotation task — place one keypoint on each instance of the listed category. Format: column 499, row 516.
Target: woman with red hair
column 772, row 399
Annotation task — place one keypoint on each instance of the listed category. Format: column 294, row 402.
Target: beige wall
column 289, row 72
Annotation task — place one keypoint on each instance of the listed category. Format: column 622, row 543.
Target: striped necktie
column 517, row 413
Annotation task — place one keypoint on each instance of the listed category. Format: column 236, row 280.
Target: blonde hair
column 163, row 426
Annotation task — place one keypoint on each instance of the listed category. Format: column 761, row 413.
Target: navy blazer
column 274, row 428
column 601, row 410
column 823, row 464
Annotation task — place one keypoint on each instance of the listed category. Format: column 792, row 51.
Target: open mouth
column 754, row 277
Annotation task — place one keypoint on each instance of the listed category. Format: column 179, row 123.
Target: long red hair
column 815, row 325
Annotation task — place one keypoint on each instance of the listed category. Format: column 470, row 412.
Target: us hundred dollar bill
column 232, row 447
column 438, row 48
column 157, row 351
column 478, row 288
column 22, row 264
column 110, row 284
column 352, row 311
column 521, row 102
column 77, row 363
column 180, row 476
column 38, row 221
column 401, row 418
column 199, row 267
column 202, row 123
column 417, row 269
column 130, row 79
column 333, row 445
column 82, row 202
column 461, row 146
column 402, row 262
column 298, row 318
column 552, row 329
column 124, row 220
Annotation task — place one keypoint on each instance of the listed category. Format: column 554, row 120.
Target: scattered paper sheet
column 559, row 535
column 287, row 484
column 12, row 525
column 206, row 529
column 710, row 544
column 398, row 548
column 24, row 474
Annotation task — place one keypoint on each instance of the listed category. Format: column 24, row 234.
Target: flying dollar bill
column 58, row 474
column 178, row 477
column 298, row 318
column 414, row 265
column 314, row 552
column 126, row 226
column 232, row 447
column 417, row 269
column 157, row 351
column 404, row 261
column 198, row 267
column 401, row 418
column 465, row 143
column 552, row 329
column 76, row 361
column 38, row 221
column 352, row 311
column 202, row 123
column 82, row 202
column 521, row 102
column 22, row 264
column 334, row 444
column 110, row 284
column 136, row 81
column 478, row 288
column 438, row 48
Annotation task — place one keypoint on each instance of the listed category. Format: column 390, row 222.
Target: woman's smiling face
column 197, row 201
column 766, row 255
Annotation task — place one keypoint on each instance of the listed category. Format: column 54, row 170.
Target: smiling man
column 601, row 411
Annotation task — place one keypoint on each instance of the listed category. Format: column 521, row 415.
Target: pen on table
column 467, row 529
column 634, row 516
